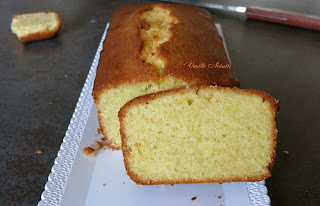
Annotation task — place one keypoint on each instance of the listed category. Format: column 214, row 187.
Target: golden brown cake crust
column 120, row 58
column 194, row 39
column 43, row 34
column 144, row 100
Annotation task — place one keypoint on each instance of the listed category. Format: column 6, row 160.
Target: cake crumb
column 38, row 152
column 103, row 139
column 99, row 130
column 286, row 152
column 219, row 196
column 104, row 185
column 194, row 198
column 99, row 144
column 88, row 151
column 124, row 183
column 172, row 185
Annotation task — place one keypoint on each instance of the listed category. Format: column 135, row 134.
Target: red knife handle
column 284, row 17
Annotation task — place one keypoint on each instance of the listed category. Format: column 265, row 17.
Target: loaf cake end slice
column 199, row 134
column 36, row 26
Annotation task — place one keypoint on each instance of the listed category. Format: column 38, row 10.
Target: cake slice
column 36, row 26
column 199, row 134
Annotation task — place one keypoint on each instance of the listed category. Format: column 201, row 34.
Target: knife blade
column 263, row 14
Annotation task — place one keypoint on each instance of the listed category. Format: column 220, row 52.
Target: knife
column 263, row 14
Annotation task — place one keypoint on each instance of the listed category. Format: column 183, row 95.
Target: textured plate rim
column 58, row 178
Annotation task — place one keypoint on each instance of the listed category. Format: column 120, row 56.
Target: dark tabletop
column 41, row 82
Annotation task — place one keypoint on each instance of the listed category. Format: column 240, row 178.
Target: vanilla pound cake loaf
column 154, row 47
column 201, row 134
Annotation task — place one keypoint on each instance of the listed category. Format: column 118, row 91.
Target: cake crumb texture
column 199, row 134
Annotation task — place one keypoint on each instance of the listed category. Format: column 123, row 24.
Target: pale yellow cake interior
column 215, row 134
column 111, row 100
column 25, row 24
column 159, row 20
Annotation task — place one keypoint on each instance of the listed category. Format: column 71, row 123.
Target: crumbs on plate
column 88, row 151
column 99, row 144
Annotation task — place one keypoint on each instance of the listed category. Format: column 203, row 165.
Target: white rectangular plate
column 101, row 180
